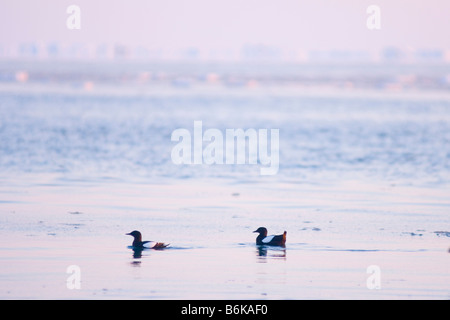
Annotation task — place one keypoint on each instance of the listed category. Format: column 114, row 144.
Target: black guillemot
column 139, row 244
column 273, row 240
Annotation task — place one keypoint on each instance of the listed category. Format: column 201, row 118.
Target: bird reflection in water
column 137, row 252
column 271, row 252
column 135, row 263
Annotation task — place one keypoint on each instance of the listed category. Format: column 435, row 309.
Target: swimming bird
column 139, row 244
column 273, row 240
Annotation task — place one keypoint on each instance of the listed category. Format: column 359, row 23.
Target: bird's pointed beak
column 128, row 234
column 255, row 231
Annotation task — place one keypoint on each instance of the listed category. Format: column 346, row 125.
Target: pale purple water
column 363, row 180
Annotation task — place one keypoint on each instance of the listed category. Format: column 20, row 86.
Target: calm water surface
column 363, row 181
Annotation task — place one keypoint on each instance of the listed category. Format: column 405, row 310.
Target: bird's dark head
column 136, row 234
column 261, row 230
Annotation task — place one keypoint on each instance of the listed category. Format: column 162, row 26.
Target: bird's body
column 139, row 244
column 272, row 240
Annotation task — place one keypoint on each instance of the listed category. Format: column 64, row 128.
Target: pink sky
column 230, row 24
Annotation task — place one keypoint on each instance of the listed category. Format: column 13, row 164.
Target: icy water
column 364, row 166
